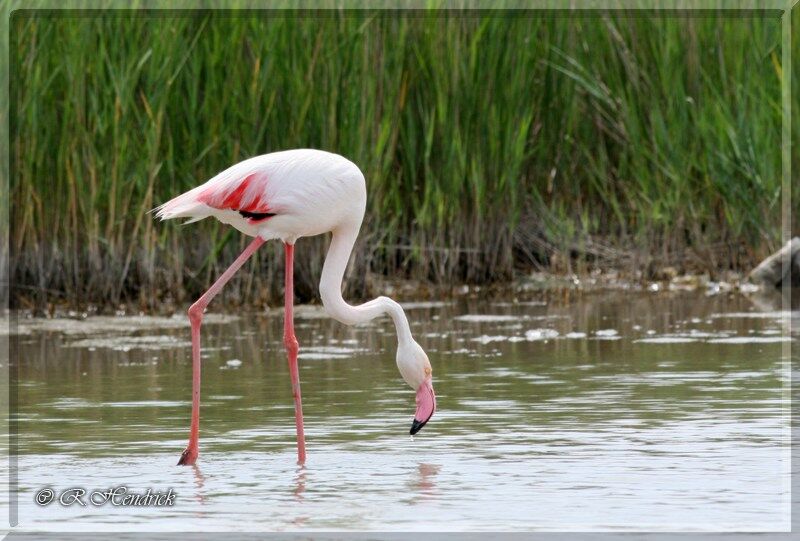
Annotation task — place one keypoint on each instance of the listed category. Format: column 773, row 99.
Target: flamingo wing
column 241, row 188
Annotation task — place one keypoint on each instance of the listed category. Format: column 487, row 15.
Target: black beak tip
column 416, row 426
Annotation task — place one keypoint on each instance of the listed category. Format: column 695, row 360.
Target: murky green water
column 617, row 412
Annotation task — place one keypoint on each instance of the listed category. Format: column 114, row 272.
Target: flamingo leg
column 292, row 347
column 189, row 456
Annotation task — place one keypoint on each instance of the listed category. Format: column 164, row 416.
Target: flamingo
column 287, row 195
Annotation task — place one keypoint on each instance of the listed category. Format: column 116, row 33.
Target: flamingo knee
column 292, row 346
column 196, row 313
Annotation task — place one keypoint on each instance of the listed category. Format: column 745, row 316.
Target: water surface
column 619, row 411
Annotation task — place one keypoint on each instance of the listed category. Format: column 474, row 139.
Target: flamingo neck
column 330, row 288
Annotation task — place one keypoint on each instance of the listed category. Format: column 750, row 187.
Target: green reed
column 492, row 143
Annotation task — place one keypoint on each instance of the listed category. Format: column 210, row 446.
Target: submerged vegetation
column 492, row 143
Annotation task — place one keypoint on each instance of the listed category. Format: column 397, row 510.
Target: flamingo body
column 308, row 192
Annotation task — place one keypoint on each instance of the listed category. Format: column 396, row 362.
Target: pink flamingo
column 288, row 195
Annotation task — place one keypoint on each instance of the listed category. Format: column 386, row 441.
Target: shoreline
column 537, row 286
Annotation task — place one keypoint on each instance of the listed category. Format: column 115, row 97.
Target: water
column 619, row 411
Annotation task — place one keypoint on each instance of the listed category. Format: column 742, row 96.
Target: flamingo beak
column 426, row 405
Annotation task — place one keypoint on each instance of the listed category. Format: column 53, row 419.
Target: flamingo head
column 417, row 372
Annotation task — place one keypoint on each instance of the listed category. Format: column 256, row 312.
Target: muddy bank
column 535, row 287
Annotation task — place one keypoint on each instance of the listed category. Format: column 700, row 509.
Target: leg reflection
column 199, row 482
column 299, row 488
column 300, row 483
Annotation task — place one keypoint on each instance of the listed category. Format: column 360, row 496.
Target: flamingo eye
column 257, row 216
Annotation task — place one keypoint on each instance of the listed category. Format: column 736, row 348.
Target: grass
column 492, row 143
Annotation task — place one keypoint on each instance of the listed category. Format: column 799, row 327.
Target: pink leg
column 292, row 347
column 189, row 455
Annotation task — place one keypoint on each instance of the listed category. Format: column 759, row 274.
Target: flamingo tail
column 186, row 205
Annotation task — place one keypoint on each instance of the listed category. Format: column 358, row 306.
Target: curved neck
column 330, row 288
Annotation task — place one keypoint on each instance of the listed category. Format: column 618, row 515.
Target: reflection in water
column 199, row 481
column 300, row 482
column 300, row 487
column 616, row 412
column 425, row 480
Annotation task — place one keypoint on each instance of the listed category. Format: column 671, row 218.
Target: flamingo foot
column 188, row 457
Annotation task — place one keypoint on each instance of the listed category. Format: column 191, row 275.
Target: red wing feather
column 237, row 199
